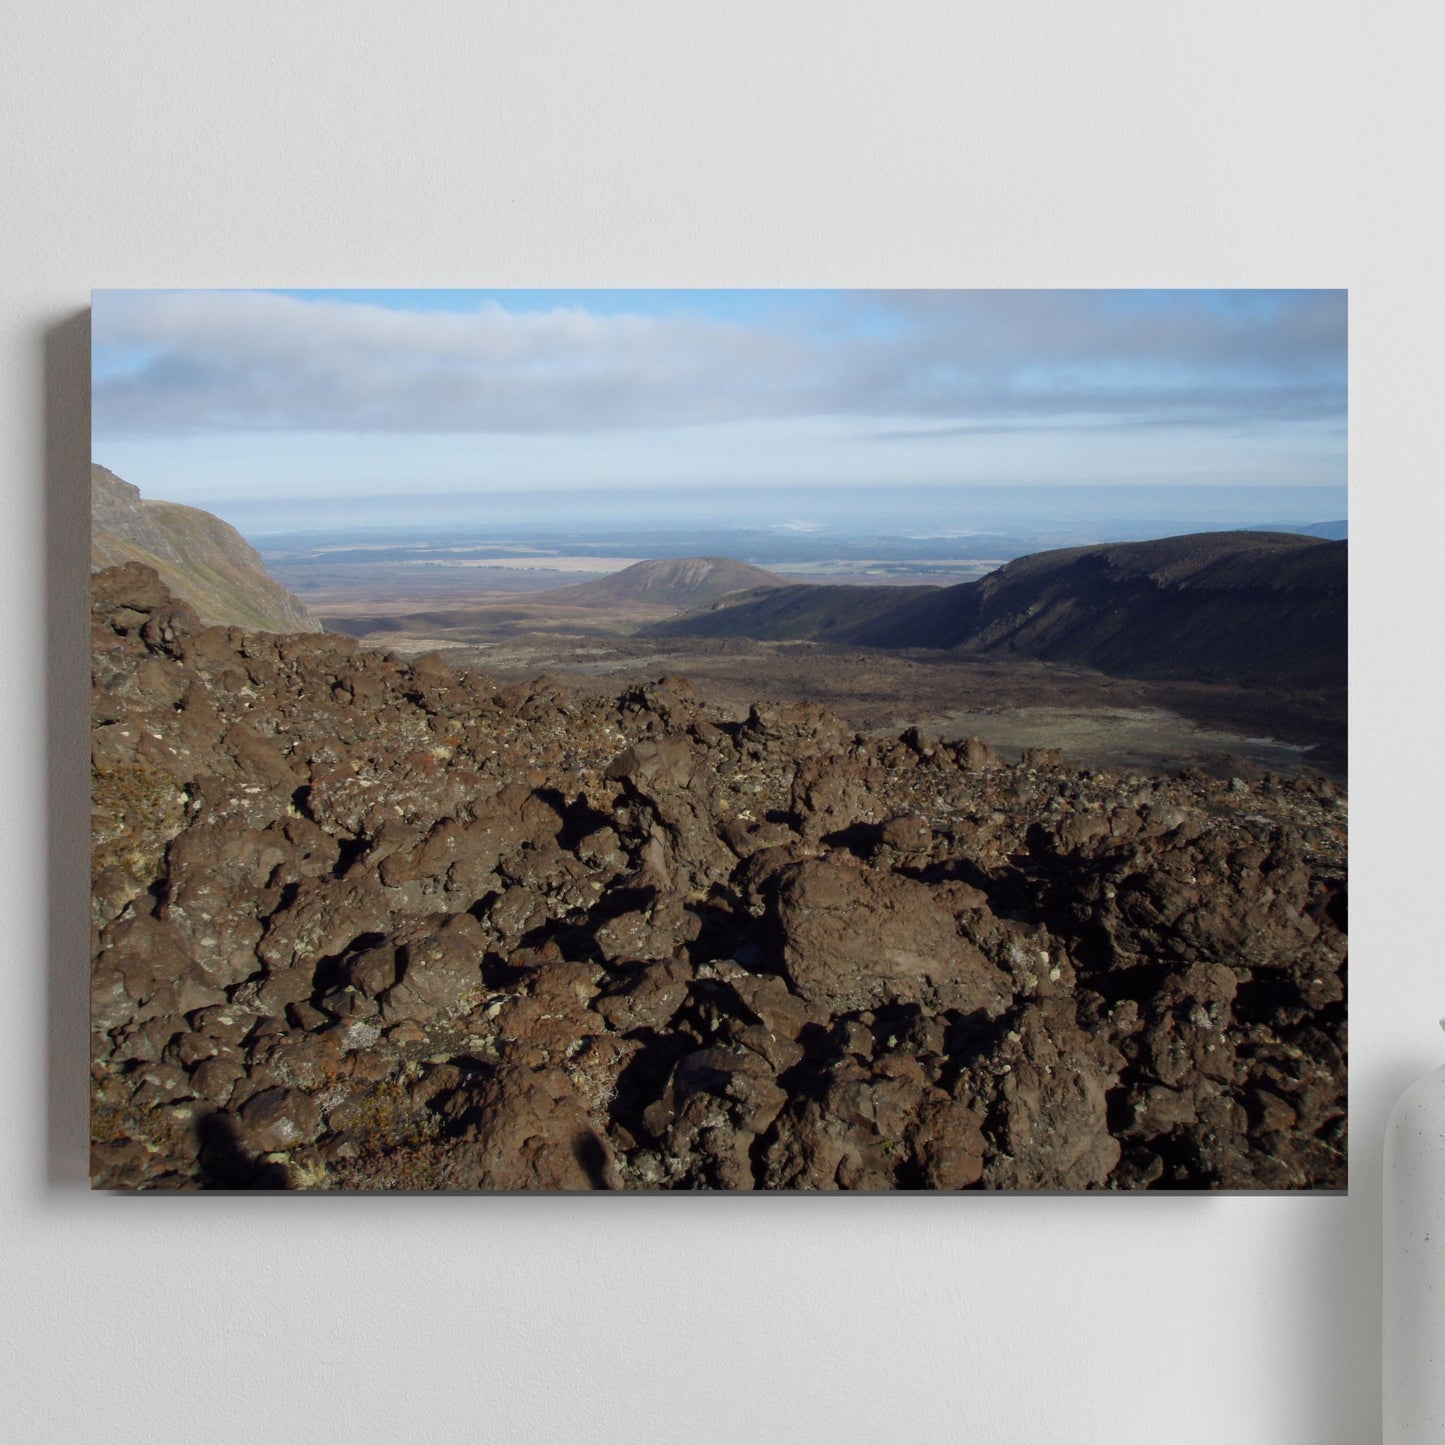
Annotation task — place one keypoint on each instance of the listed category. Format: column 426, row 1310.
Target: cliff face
column 202, row 559
column 365, row 923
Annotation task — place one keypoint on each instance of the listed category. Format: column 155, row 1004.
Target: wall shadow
column 1337, row 1254
column 67, row 711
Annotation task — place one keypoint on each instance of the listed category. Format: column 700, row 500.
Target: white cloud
column 202, row 360
column 185, row 362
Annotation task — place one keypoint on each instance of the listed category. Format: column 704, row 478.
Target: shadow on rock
column 588, row 1151
column 225, row 1164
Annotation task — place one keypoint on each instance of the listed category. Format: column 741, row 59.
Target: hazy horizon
column 897, row 512
column 282, row 411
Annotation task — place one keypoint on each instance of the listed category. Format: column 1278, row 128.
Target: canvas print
column 719, row 740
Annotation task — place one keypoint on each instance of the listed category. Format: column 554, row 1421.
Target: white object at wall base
column 1414, row 1344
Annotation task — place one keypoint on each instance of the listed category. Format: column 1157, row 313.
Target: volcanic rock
column 854, row 938
column 366, row 923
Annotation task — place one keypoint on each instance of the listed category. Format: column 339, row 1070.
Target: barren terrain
column 604, row 636
column 1099, row 721
column 370, row 923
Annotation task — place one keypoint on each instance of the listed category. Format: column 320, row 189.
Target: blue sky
column 247, row 397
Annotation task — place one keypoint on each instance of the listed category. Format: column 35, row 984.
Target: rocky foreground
column 364, row 923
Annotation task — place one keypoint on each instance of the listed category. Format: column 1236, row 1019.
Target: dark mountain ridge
column 800, row 612
column 1215, row 606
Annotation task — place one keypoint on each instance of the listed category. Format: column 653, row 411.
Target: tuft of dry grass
column 135, row 812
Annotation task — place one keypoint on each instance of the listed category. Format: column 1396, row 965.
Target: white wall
column 360, row 142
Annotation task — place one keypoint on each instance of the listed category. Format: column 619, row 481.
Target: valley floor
column 1098, row 721
column 513, row 618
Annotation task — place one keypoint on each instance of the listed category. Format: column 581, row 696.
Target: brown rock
column 529, row 1130
column 279, row 1119
column 856, row 938
column 442, row 972
column 1053, row 1103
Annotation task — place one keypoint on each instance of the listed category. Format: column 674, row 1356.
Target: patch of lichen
column 421, row 1164
column 384, row 1112
column 155, row 1131
column 135, row 812
column 111, row 1124
column 394, row 1144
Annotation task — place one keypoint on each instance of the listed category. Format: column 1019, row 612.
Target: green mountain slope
column 199, row 557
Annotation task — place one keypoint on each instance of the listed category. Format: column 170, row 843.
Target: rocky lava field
column 367, row 923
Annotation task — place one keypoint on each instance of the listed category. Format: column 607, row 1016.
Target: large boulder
column 854, row 938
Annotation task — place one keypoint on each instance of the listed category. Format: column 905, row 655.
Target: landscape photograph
column 719, row 740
